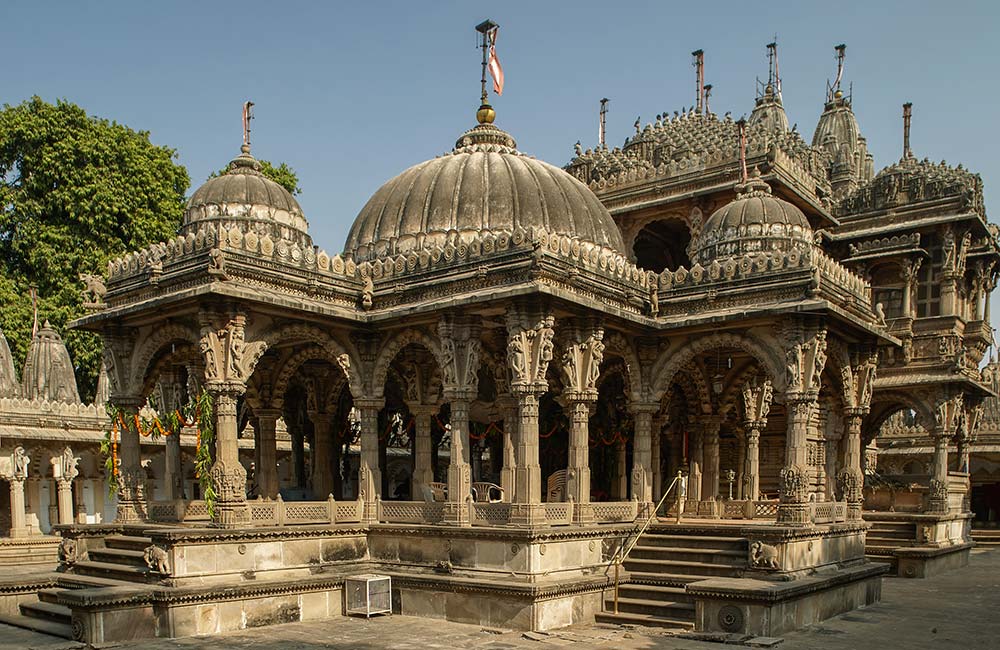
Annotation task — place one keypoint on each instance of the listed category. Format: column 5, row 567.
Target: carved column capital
column 460, row 354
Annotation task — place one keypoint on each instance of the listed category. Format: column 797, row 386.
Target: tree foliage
column 75, row 191
column 281, row 174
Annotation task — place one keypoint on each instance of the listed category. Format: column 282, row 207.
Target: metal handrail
column 622, row 553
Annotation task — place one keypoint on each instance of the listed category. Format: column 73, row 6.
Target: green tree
column 75, row 191
column 282, row 174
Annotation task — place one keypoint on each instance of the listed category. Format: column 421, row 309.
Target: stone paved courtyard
column 956, row 610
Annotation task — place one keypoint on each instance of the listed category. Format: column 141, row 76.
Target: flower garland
column 197, row 412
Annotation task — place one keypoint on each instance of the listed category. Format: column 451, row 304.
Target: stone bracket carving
column 805, row 357
column 228, row 356
column 581, row 363
column 529, row 349
column 460, row 352
column 757, row 401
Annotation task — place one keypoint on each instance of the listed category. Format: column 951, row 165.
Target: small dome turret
column 769, row 112
column 48, row 371
column 243, row 197
column 755, row 222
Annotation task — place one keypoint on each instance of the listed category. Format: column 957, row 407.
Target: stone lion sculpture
column 156, row 559
column 68, row 551
column 93, row 288
column 763, row 556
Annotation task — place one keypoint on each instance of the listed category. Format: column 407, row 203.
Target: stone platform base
column 765, row 608
column 924, row 562
column 34, row 553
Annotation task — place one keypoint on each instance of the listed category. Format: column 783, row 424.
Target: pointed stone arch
column 148, row 351
column 672, row 361
column 393, row 347
column 344, row 356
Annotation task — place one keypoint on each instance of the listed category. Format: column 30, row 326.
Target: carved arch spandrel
column 616, row 345
column 674, row 359
column 129, row 359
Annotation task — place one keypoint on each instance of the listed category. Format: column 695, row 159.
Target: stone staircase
column 664, row 561
column 986, row 538
column 885, row 536
column 119, row 563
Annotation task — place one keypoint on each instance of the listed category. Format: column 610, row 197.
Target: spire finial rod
column 835, row 86
column 699, row 64
column 247, row 116
column 742, row 125
column 485, row 28
column 602, row 124
column 907, row 114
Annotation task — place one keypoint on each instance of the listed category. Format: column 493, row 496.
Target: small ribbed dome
column 245, row 198
column 755, row 222
column 484, row 185
column 48, row 371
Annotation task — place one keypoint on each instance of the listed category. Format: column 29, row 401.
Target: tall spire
column 768, row 110
column 699, row 64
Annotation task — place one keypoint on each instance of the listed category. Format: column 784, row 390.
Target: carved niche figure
column 67, row 463
column 156, row 559
column 448, row 361
column 793, row 366
column 368, row 293
column 763, row 556
column 19, row 462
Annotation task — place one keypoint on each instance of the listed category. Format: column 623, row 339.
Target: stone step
column 644, row 619
column 888, row 541
column 668, row 540
column 708, row 556
column 51, row 594
column 114, row 571
column 986, row 538
column 663, row 579
column 80, row 581
column 909, row 533
column 61, row 630
column 681, row 567
column 118, row 556
column 654, row 592
column 662, row 608
column 127, row 542
column 47, row 611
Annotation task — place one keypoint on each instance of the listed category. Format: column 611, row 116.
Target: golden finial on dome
column 486, row 114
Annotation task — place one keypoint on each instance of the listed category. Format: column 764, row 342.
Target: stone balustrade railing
column 732, row 509
column 263, row 512
column 828, row 512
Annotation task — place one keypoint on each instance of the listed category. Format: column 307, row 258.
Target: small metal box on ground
column 368, row 594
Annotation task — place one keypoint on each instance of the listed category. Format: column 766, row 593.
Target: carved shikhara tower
column 555, row 354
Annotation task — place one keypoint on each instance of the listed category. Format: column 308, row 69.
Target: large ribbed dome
column 484, row 185
column 245, row 198
column 755, row 222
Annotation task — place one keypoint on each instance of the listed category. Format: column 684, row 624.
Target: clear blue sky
column 350, row 94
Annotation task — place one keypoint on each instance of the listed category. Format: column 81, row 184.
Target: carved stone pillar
column 131, row 475
column 794, row 482
column 456, row 510
column 18, row 521
column 851, row 479
column 423, row 468
column 267, row 453
column 642, row 457
column 510, row 410
column 322, row 454
column 751, row 467
column 710, row 451
column 578, row 466
column 460, row 349
column 228, row 474
column 529, row 351
column 369, row 474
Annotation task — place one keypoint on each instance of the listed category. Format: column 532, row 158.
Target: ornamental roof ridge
column 909, row 181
